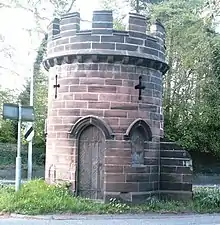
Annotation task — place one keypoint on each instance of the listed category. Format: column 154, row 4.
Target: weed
column 37, row 197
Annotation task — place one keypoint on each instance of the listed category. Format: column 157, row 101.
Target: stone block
column 99, row 105
column 114, row 39
column 76, row 46
column 145, row 186
column 92, row 81
column 102, row 89
column 113, row 169
column 135, row 41
column 126, row 47
column 114, row 178
column 167, row 177
column 121, row 187
column 115, row 113
column 103, row 45
column 137, row 170
column 85, row 38
column 86, row 96
column 113, row 82
column 116, row 160
column 144, row 177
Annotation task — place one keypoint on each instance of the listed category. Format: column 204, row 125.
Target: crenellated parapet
column 67, row 43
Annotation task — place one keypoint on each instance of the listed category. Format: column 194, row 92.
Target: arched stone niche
column 139, row 133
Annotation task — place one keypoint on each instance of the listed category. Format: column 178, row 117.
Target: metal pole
column 18, row 158
column 30, row 144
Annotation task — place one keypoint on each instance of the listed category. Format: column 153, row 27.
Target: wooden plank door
column 91, row 161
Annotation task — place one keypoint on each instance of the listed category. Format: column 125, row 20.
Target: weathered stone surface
column 98, row 70
column 176, row 173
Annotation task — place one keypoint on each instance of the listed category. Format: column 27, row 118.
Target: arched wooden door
column 91, row 161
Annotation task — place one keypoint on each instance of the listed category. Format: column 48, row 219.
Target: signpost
column 31, row 135
column 18, row 158
column 19, row 113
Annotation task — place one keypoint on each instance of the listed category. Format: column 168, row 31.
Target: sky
column 12, row 25
column 24, row 47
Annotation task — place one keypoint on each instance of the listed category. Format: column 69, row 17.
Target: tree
column 191, row 86
column 40, row 94
column 8, row 128
column 40, row 10
column 192, row 81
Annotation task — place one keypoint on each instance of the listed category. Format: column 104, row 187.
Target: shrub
column 207, row 198
column 37, row 197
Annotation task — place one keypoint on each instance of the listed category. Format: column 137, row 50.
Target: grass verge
column 37, row 197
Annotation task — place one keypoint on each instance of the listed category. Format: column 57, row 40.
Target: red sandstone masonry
column 69, row 81
column 115, row 113
column 115, row 160
column 75, row 88
column 112, row 144
column 119, row 153
column 86, row 96
column 113, row 169
column 67, row 96
column 121, row 187
column 76, row 104
column 113, row 82
column 95, row 112
column 69, row 119
column 99, row 105
column 105, row 89
column 93, row 81
column 113, row 97
column 109, row 178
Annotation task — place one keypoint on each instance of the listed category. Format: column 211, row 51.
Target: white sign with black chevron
column 29, row 132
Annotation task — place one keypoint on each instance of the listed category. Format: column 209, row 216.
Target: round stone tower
column 104, row 106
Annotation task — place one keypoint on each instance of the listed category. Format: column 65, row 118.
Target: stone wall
column 97, row 71
column 176, row 172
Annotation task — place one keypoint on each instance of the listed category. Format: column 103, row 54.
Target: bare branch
column 3, row 5
column 10, row 70
column 71, row 5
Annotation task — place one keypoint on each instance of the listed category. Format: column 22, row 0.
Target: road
column 149, row 219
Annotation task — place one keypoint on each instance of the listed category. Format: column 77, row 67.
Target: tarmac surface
column 147, row 219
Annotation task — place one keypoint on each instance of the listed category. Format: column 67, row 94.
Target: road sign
column 29, row 132
column 19, row 113
column 11, row 111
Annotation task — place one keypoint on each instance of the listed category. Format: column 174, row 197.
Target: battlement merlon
column 66, row 41
column 102, row 23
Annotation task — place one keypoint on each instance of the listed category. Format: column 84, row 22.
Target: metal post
column 30, row 144
column 18, row 158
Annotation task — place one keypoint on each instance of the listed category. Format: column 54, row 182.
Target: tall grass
column 37, row 197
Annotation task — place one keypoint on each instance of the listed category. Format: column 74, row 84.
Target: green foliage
column 8, row 129
column 8, row 157
column 191, row 97
column 208, row 198
column 40, row 95
column 191, row 86
column 37, row 197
